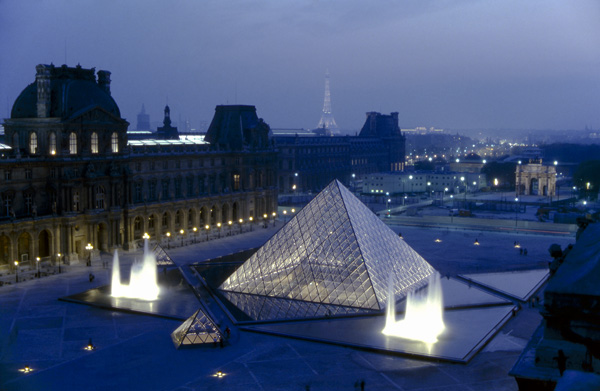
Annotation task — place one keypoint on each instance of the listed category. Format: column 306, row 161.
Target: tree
column 504, row 172
column 588, row 172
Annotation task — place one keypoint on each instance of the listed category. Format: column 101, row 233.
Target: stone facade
column 71, row 177
column 534, row 178
column 308, row 162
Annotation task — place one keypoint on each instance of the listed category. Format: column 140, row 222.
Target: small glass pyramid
column 197, row 329
column 162, row 258
column 334, row 257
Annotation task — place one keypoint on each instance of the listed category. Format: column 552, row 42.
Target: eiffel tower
column 327, row 123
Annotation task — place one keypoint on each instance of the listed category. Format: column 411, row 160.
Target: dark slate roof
column 72, row 89
column 580, row 272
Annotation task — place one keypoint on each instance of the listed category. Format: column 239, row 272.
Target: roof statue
column 197, row 329
column 327, row 123
column 334, row 257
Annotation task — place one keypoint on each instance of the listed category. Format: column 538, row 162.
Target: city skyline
column 464, row 65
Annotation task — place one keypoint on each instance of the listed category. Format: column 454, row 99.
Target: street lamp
column 168, row 239
column 17, row 271
column 37, row 260
column 181, row 232
column 195, row 233
column 387, row 200
column 274, row 215
column 89, row 247
column 516, row 209
column 219, row 226
column 146, row 236
column 58, row 260
column 207, row 228
column 241, row 221
column 229, row 223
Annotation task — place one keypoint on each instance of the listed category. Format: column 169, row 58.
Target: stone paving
column 135, row 351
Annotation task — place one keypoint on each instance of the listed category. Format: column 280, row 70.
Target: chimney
column 104, row 81
column 42, row 79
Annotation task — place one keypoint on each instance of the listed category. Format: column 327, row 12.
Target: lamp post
column 229, row 223
column 387, row 200
column 195, row 233
column 219, row 226
column 251, row 220
column 241, row 221
column 274, row 215
column 168, row 234
column 16, row 271
column 207, row 228
column 37, row 261
column 516, row 209
column 58, row 261
column 462, row 179
column 89, row 248
column 181, row 232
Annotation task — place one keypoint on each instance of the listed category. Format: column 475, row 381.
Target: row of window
column 153, row 187
column 190, row 163
column 73, row 147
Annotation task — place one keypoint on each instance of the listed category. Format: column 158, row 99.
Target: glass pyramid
column 334, row 257
column 162, row 258
column 197, row 329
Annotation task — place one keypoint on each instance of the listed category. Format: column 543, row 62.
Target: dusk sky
column 451, row 64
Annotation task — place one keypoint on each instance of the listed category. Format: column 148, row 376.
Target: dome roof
column 71, row 91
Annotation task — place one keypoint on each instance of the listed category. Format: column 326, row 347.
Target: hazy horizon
column 456, row 65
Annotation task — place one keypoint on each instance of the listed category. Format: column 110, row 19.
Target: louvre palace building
column 72, row 181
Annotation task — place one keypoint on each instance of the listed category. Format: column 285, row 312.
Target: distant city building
column 422, row 182
column 533, row 178
column 327, row 125
column 70, row 176
column 143, row 120
column 472, row 163
column 309, row 162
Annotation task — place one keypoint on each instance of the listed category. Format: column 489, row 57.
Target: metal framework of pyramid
column 196, row 330
column 335, row 257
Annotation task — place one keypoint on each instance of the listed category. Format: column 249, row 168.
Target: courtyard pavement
column 135, row 351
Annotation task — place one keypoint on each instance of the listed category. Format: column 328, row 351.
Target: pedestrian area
column 134, row 351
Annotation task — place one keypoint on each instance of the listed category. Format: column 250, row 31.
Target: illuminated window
column 114, row 142
column 73, row 143
column 33, row 143
column 52, row 143
column 236, row 181
column 94, row 142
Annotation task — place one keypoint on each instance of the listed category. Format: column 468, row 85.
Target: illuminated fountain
column 142, row 282
column 423, row 319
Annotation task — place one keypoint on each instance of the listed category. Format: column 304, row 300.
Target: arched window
column 73, row 143
column 33, row 143
column 114, row 142
column 52, row 143
column 94, row 142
